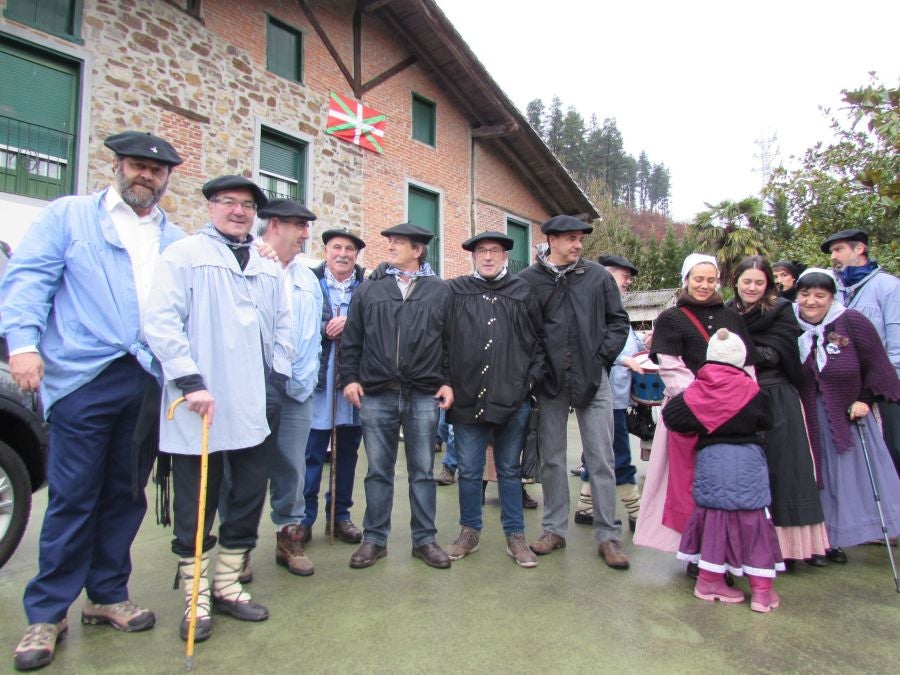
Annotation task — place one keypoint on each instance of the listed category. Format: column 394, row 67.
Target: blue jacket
column 306, row 314
column 69, row 289
column 877, row 296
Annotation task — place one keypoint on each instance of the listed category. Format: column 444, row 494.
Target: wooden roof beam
column 495, row 130
column 320, row 31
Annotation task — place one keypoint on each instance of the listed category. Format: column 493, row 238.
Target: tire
column 15, row 501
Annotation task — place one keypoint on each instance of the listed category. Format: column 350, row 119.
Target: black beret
column 285, row 208
column 618, row 261
column 328, row 235
column 216, row 185
column 418, row 234
column 144, row 145
column 560, row 224
column 845, row 235
column 505, row 241
column 788, row 267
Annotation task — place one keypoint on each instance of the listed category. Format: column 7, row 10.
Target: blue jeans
column 472, row 440
column 287, row 463
column 446, row 434
column 382, row 414
column 625, row 471
column 348, row 438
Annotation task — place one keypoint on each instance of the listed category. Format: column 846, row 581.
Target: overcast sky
column 693, row 83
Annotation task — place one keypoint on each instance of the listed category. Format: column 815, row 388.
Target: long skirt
column 740, row 542
column 848, row 502
column 796, row 509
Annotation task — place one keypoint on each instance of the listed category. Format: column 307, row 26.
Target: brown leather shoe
column 547, row 543
column 346, row 531
column 528, row 502
column 446, row 476
column 612, row 554
column 367, row 555
column 433, row 555
column 289, row 551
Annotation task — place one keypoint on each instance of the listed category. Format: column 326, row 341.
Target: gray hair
column 262, row 226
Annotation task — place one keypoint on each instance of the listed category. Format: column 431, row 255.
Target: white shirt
column 140, row 237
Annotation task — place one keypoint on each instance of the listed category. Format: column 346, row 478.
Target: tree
column 644, row 168
column 731, row 231
column 658, row 189
column 534, row 113
column 554, row 126
column 571, row 153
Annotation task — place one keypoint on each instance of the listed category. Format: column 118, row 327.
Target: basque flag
column 351, row 121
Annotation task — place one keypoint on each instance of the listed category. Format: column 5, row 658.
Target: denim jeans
column 348, row 438
column 287, row 463
column 446, row 434
column 595, row 422
column 471, row 446
column 382, row 414
column 625, row 471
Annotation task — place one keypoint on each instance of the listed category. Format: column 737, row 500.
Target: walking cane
column 198, row 540
column 332, row 476
column 860, row 425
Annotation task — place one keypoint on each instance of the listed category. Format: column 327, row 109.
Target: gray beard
column 130, row 196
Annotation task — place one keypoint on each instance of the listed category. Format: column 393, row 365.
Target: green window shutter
column 38, row 122
column 284, row 51
column 59, row 17
column 423, row 116
column 519, row 256
column 423, row 209
column 282, row 166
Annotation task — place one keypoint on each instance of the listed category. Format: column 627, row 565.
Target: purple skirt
column 740, row 542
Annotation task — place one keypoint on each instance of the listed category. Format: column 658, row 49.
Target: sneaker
column 446, row 476
column 547, row 543
column 518, row 549
column 764, row 601
column 577, row 471
column 613, row 555
column 466, row 542
column 289, row 551
column 123, row 615
column 37, row 647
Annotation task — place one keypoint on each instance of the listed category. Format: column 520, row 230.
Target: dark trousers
column 348, row 439
column 625, row 470
column 91, row 518
column 243, row 498
column 890, row 420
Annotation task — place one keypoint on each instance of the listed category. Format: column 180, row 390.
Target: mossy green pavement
column 485, row 615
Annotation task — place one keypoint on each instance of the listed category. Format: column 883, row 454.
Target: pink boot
column 762, row 597
column 711, row 586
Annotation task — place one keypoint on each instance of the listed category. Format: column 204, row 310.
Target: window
column 423, row 209
column 38, row 122
column 282, row 167
column 423, row 120
column 284, row 50
column 519, row 257
column 59, row 17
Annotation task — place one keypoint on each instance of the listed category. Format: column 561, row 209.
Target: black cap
column 285, row 208
column 505, row 241
column 418, row 234
column 788, row 267
column 560, row 224
column 216, row 185
column 618, row 261
column 328, row 235
column 143, row 145
column 845, row 235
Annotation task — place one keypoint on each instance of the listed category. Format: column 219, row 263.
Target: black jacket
column 359, row 275
column 390, row 342
column 585, row 326
column 496, row 356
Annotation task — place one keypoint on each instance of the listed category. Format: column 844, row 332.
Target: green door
column 38, row 118
column 518, row 256
column 424, row 210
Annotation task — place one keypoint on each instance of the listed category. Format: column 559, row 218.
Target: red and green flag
column 351, row 121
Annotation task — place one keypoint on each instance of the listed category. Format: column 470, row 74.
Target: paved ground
column 570, row 614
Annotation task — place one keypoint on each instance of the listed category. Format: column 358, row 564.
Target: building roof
column 647, row 305
column 495, row 120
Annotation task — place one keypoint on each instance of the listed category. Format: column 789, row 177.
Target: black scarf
column 777, row 328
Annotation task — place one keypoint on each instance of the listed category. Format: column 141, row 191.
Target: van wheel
column 15, row 501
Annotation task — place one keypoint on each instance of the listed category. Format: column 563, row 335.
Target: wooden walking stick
column 198, row 540
column 332, row 477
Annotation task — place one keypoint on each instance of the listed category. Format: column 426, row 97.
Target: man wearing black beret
column 496, row 359
column 863, row 285
column 393, row 368
column 71, row 306
column 585, row 329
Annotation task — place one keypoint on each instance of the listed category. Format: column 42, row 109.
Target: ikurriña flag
column 350, row 120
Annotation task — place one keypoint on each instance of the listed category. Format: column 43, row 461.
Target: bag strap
column 694, row 320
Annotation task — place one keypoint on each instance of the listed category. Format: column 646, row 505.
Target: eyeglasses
column 229, row 204
column 484, row 250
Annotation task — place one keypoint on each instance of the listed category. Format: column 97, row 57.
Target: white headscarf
column 804, row 342
column 692, row 261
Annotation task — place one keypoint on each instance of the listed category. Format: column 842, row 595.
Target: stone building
column 244, row 86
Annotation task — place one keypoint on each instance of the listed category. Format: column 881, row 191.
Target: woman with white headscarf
column 845, row 368
column 680, row 339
